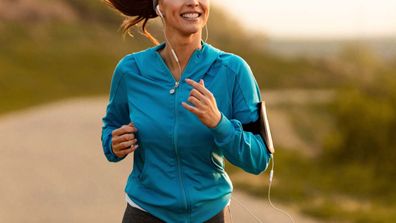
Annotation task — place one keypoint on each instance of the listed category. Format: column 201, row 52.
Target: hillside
column 34, row 11
column 383, row 47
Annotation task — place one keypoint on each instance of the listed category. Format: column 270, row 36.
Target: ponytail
column 135, row 11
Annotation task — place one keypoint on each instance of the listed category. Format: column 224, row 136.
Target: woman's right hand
column 123, row 140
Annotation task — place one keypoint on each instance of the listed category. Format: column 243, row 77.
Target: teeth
column 190, row 15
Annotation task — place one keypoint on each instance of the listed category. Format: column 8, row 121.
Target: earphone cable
column 206, row 33
column 170, row 45
column 246, row 209
column 269, row 197
column 269, row 192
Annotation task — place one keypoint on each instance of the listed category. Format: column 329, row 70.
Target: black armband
column 261, row 127
column 253, row 127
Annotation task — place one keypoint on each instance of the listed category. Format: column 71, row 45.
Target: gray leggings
column 135, row 215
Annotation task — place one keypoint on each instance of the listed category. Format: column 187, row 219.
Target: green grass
column 57, row 61
column 326, row 191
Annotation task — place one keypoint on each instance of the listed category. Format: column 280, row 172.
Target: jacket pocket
column 144, row 165
column 151, row 177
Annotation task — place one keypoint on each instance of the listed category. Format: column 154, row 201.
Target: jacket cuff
column 223, row 130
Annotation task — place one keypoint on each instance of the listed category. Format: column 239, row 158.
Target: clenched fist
column 123, row 140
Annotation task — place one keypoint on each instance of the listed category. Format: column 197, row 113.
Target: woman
column 181, row 107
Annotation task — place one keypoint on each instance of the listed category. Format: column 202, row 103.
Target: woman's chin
column 191, row 31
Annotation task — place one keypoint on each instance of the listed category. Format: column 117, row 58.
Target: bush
column 365, row 120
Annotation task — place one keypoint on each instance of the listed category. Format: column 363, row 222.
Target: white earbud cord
column 246, row 209
column 269, row 197
column 269, row 192
column 166, row 39
column 207, row 33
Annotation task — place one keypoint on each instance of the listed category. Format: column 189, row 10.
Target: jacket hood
column 151, row 65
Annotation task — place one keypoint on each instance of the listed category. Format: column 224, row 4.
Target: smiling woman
column 181, row 108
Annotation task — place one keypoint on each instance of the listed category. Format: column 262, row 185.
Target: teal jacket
column 178, row 170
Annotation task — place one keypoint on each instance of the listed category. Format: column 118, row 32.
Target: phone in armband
column 265, row 131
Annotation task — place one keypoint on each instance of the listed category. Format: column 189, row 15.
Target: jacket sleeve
column 243, row 149
column 117, row 112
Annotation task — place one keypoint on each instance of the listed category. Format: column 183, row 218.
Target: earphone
column 158, row 11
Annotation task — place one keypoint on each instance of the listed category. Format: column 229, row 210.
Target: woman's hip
column 135, row 215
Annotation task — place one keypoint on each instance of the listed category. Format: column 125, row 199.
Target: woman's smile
column 188, row 17
column 191, row 16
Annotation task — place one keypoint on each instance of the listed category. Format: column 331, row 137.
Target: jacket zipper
column 174, row 91
column 179, row 168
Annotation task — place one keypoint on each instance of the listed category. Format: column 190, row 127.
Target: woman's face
column 186, row 16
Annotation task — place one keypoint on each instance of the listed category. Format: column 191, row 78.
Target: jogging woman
column 180, row 107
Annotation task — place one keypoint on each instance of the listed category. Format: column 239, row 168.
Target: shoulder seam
column 243, row 95
column 119, row 82
column 227, row 66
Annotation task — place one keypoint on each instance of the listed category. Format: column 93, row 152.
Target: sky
column 315, row 18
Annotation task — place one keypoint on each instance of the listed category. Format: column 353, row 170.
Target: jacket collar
column 151, row 64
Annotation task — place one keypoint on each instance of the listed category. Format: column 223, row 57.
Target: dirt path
column 52, row 169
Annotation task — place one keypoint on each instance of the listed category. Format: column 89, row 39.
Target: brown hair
column 135, row 12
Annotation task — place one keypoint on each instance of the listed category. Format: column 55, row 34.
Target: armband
column 261, row 127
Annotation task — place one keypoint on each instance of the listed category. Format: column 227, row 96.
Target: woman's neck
column 184, row 47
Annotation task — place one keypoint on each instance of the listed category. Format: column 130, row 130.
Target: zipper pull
column 173, row 90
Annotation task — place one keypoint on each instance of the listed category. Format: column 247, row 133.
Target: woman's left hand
column 205, row 107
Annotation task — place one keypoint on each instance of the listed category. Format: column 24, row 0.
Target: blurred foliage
column 365, row 119
column 326, row 191
column 360, row 60
column 93, row 11
column 365, row 114
column 54, row 62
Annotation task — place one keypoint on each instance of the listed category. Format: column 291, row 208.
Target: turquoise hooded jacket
column 178, row 170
